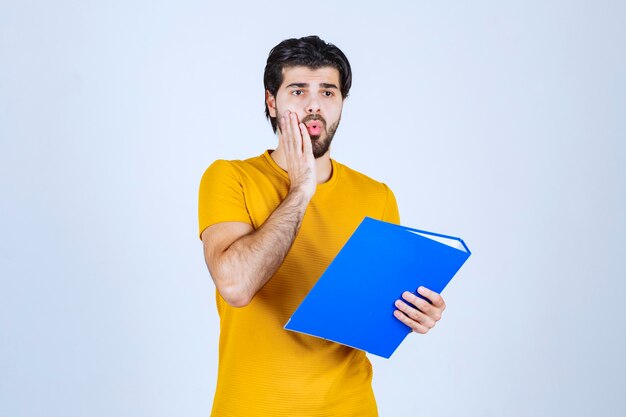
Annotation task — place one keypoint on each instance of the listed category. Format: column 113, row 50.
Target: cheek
column 281, row 108
column 335, row 108
column 285, row 102
column 335, row 115
column 284, row 108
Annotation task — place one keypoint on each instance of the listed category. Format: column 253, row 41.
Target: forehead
column 301, row 74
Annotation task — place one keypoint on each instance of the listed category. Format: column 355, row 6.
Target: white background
column 500, row 122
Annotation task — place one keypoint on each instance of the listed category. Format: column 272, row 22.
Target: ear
column 270, row 100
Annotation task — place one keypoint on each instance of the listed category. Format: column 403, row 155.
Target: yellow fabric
column 265, row 370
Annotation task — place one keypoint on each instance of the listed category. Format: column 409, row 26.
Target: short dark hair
column 309, row 51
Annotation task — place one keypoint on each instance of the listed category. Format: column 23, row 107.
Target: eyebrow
column 306, row 85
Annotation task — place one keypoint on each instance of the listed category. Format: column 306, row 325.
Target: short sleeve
column 391, row 214
column 221, row 197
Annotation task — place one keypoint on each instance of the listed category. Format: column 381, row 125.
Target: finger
column 423, row 305
column 295, row 131
column 415, row 315
column 307, row 147
column 283, row 134
column 434, row 298
column 415, row 326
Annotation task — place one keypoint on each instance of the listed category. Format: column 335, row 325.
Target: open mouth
column 314, row 127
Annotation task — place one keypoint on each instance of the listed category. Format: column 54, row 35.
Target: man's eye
column 297, row 92
column 328, row 93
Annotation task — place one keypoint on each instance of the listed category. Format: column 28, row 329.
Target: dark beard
column 320, row 147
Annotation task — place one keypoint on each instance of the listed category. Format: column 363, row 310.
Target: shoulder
column 374, row 198
column 361, row 181
column 234, row 168
column 236, row 164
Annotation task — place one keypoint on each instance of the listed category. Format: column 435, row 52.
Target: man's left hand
column 420, row 315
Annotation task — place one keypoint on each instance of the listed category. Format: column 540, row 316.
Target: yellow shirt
column 264, row 370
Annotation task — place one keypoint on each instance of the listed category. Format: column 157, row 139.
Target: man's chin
column 320, row 144
column 319, row 152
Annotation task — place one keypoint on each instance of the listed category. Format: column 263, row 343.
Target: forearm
column 249, row 262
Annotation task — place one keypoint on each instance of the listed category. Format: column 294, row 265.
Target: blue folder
column 352, row 303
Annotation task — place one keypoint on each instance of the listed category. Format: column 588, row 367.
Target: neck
column 323, row 166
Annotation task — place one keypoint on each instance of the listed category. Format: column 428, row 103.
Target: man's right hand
column 242, row 259
column 295, row 140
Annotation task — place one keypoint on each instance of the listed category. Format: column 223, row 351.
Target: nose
column 313, row 106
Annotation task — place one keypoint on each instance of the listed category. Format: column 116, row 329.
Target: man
column 270, row 226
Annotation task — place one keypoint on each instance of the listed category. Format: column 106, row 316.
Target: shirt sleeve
column 221, row 197
column 391, row 213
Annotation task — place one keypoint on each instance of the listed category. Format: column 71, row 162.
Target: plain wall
column 500, row 122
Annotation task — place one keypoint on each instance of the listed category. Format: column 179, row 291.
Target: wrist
column 301, row 194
